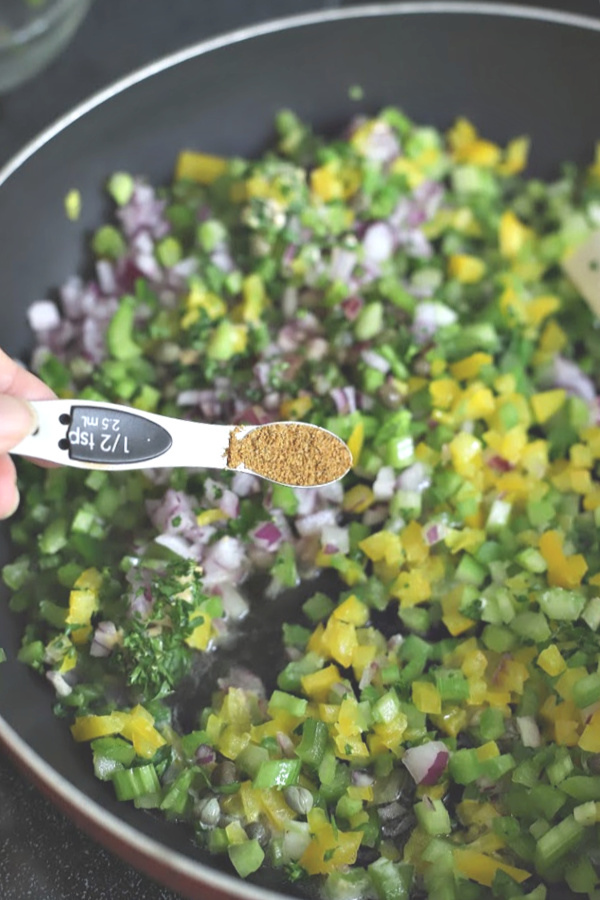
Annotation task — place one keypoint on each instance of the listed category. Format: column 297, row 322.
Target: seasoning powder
column 290, row 453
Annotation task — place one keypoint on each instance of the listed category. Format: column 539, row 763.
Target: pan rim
column 102, row 819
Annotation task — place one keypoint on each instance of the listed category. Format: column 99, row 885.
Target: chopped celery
column 246, row 857
column 277, row 773
column 131, row 784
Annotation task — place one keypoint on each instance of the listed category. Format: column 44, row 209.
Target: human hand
column 17, row 420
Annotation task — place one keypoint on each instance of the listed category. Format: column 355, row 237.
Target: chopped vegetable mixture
column 435, row 729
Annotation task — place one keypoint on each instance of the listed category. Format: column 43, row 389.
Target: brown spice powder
column 291, row 453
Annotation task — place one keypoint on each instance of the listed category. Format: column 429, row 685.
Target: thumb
column 17, row 420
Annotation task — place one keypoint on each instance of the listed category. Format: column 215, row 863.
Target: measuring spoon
column 96, row 435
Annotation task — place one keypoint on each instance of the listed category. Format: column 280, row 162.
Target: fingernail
column 17, row 418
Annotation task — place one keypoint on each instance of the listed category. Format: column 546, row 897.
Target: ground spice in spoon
column 290, row 453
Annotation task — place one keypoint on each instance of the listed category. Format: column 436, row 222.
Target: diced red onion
column 434, row 533
column 378, row 243
column 368, row 675
column 173, row 514
column 341, row 264
column 307, row 500
column 429, row 317
column 344, row 399
column 43, row 315
column 269, row 535
column 426, row 762
column 375, row 515
column 289, row 302
column 317, row 349
column 229, row 503
column 144, row 212
column 58, row 682
column 385, row 483
column 331, row 493
column 176, row 544
column 381, row 143
column 221, row 258
column 296, row 840
column 234, row 604
column 568, row 375
column 529, row 731
column 375, row 361
column 315, row 522
column 205, row 755
column 286, row 745
column 244, row 484
column 415, row 479
column 351, row 307
column 361, row 779
column 335, row 539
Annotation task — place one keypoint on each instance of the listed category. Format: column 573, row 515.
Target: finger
column 9, row 493
column 17, row 420
column 18, row 382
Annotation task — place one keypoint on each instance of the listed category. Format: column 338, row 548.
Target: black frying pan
column 511, row 70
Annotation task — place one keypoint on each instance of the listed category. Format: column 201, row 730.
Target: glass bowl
column 32, row 33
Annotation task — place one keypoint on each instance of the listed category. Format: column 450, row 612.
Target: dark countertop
column 43, row 856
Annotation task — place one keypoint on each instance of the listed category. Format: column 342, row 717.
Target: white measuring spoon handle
column 90, row 434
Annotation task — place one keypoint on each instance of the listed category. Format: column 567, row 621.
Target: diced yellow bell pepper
column 209, row 516
column 563, row 571
column 340, row 641
column 200, row 167
column 355, row 442
column 275, row 807
column 352, row 610
column 546, row 403
column 415, row 546
column 465, row 452
column 383, row 545
column 411, row 588
column 83, row 603
column 426, row 697
column 479, row 403
column 200, row 637
column 590, row 739
column 570, row 677
column 250, row 798
column 461, row 135
column 566, row 733
column 329, row 850
column 551, row 661
column 444, row 392
column 515, row 157
column 482, row 869
column 513, row 235
column 553, row 338
column 474, row 663
column 487, row 751
column 333, row 181
column 402, row 165
column 87, row 728
column 232, row 742
column 452, row 721
column 358, row 499
column 254, row 298
column 362, row 657
column 466, row 269
column 317, row 685
column 296, row 408
column 540, row 308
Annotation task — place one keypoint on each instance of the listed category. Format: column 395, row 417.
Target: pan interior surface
column 497, row 67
